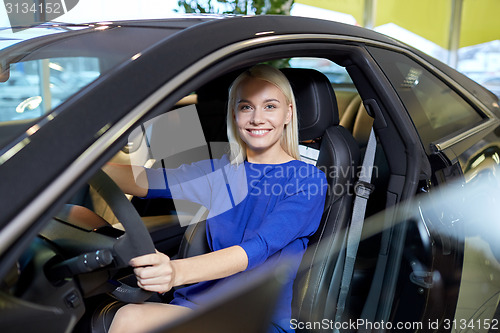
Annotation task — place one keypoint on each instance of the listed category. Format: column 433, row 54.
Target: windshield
column 35, row 87
column 39, row 74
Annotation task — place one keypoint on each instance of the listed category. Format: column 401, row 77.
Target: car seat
column 317, row 283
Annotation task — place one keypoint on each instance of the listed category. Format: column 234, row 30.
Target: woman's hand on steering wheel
column 154, row 272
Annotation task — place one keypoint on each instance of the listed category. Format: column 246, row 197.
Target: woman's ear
column 289, row 114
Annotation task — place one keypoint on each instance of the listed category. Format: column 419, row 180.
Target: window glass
column 435, row 108
column 33, row 88
column 335, row 73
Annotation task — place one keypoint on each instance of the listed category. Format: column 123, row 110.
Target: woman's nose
column 257, row 116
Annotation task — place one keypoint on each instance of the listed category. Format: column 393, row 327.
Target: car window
column 35, row 87
column 39, row 74
column 435, row 108
column 334, row 72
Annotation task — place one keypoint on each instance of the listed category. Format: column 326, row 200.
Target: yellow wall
column 480, row 22
column 427, row 18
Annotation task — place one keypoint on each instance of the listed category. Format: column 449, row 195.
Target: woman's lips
column 258, row 132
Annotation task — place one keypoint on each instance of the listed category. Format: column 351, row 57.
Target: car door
column 457, row 132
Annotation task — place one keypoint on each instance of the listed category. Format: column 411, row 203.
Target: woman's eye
column 270, row 106
column 245, row 107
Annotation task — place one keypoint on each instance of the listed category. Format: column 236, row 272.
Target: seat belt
column 363, row 188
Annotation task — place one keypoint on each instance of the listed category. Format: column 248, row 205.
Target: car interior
column 333, row 123
column 336, row 125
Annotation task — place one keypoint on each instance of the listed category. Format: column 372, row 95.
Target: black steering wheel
column 135, row 242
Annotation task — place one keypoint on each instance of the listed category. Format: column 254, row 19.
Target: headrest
column 315, row 99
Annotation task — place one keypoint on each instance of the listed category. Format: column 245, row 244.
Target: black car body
column 433, row 125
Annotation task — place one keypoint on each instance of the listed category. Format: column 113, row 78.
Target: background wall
column 463, row 33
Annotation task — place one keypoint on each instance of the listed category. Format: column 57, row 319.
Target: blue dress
column 269, row 210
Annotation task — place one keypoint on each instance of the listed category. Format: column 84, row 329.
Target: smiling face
column 261, row 113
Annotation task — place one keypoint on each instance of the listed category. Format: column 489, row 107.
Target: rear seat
column 349, row 103
column 354, row 117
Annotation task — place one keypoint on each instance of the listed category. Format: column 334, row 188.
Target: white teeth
column 259, row 132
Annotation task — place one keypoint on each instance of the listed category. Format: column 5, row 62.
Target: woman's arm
column 156, row 272
column 194, row 182
column 130, row 179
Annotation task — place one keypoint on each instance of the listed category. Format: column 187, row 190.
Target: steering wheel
column 135, row 242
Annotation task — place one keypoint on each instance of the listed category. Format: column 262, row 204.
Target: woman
column 265, row 221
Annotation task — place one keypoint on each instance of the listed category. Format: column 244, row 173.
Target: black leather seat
column 317, row 285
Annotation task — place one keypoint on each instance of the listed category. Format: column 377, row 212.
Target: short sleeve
column 293, row 219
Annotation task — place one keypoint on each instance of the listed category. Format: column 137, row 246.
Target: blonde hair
column 289, row 139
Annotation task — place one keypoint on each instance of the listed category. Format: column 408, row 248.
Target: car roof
column 257, row 25
column 229, row 26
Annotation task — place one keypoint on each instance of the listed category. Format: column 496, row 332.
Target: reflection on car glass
column 412, row 78
column 35, row 87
